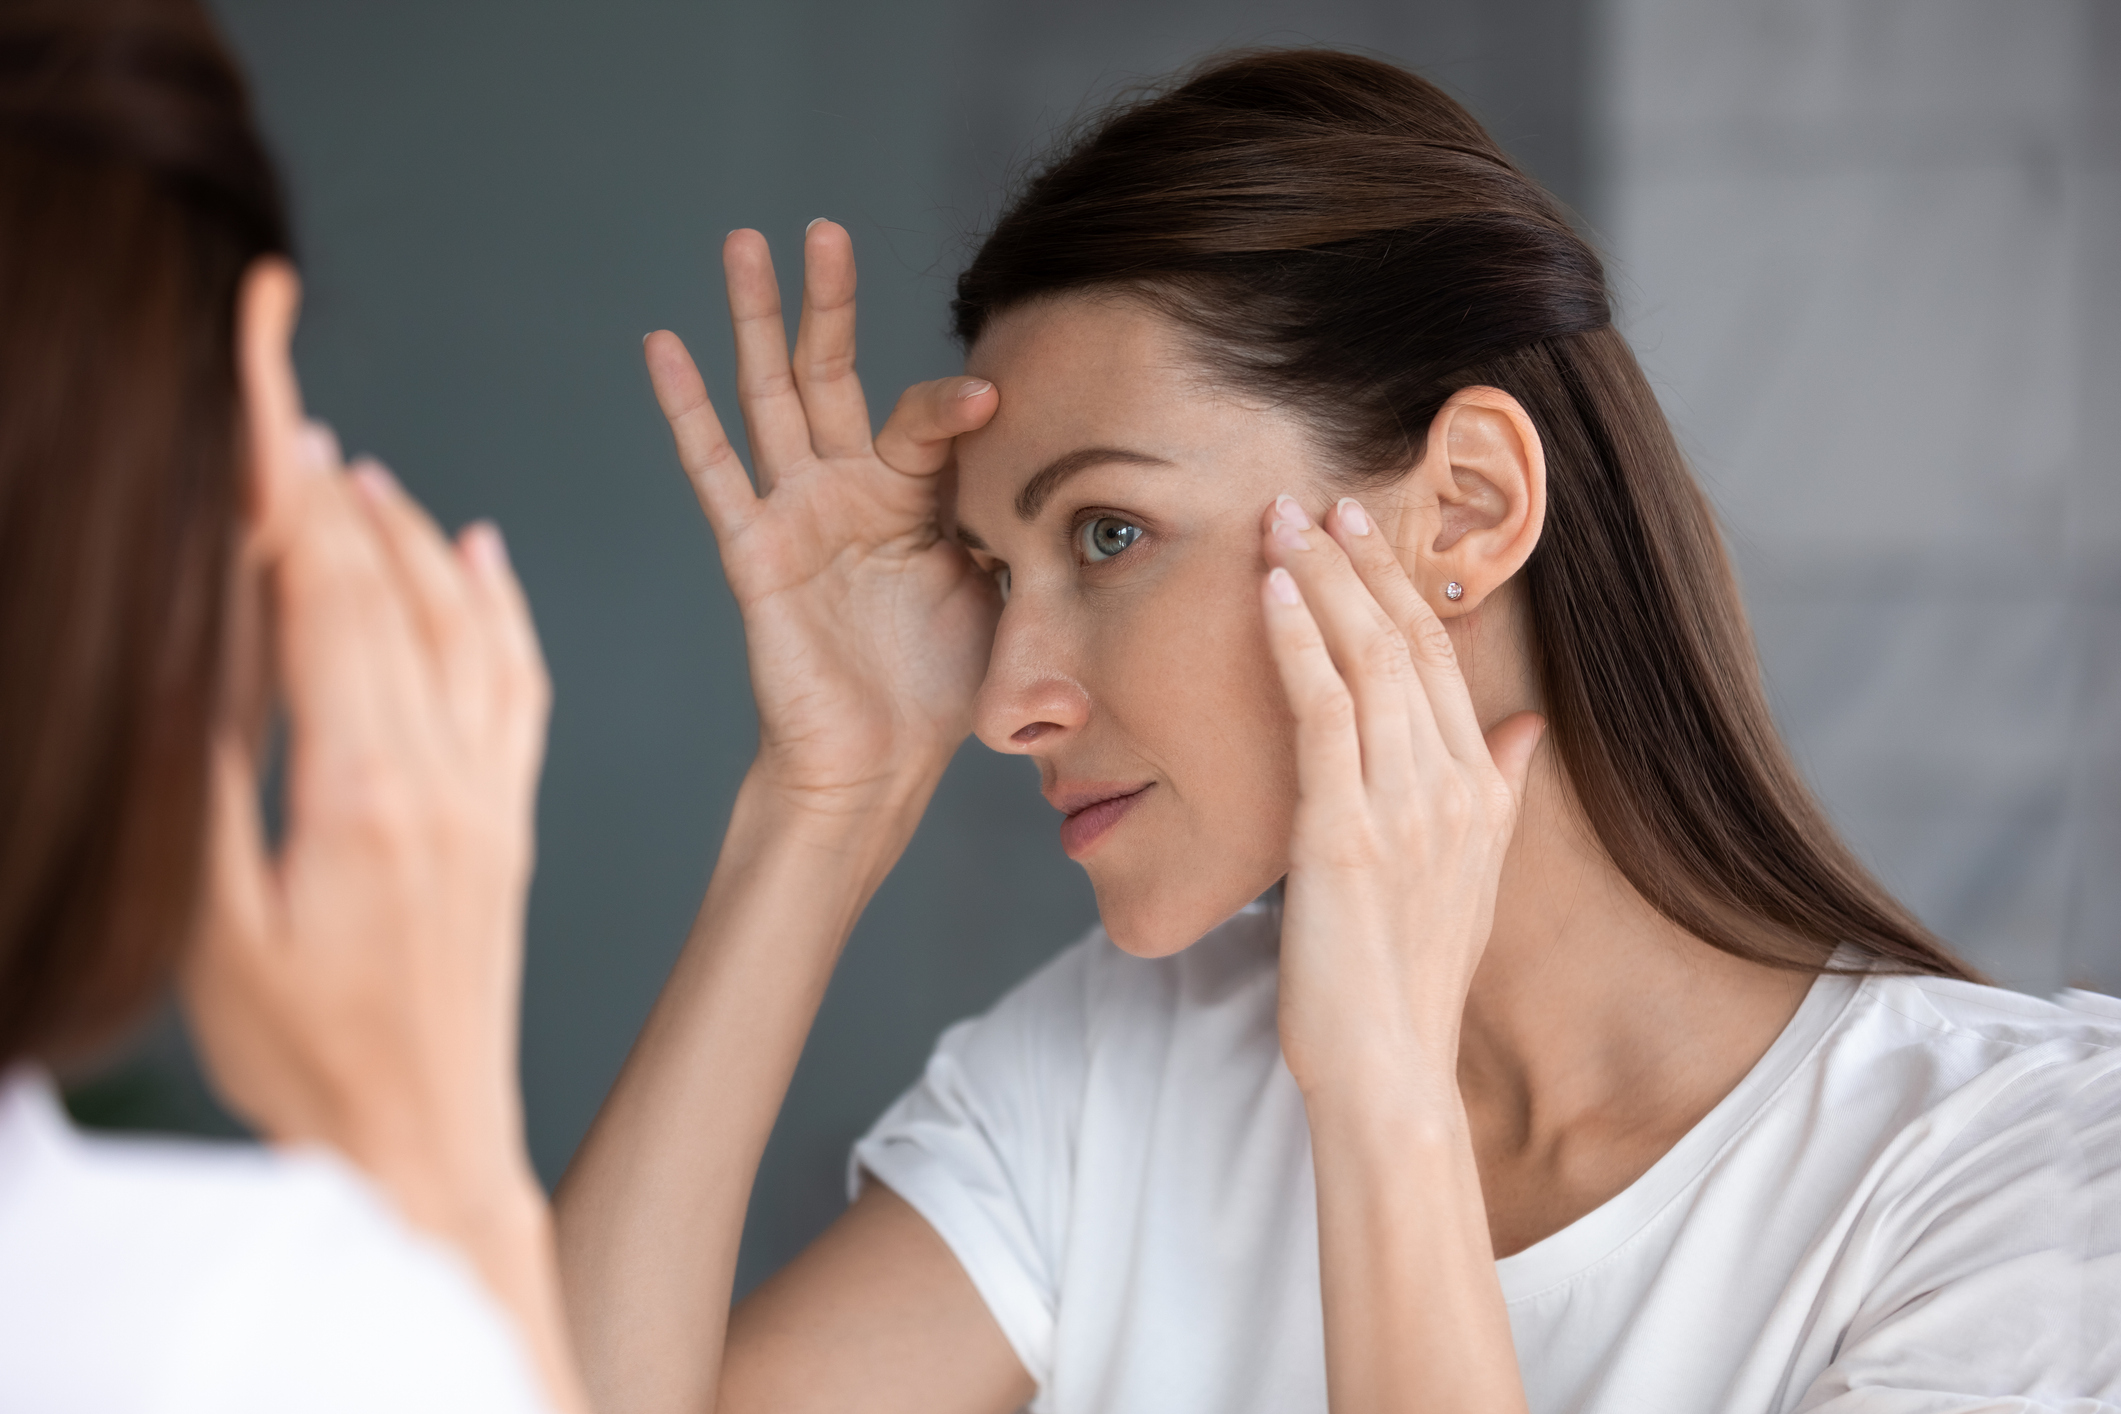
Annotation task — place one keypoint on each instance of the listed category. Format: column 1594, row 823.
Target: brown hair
column 134, row 192
column 1340, row 237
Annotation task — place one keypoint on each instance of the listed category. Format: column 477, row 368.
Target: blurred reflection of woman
column 179, row 552
column 1312, row 524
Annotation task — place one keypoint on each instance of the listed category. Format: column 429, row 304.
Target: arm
column 867, row 631
column 653, row 1206
column 876, row 1315
column 1404, row 814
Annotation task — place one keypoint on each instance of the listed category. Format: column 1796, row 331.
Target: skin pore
column 1596, row 1032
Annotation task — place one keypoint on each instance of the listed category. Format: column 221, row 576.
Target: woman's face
column 1119, row 497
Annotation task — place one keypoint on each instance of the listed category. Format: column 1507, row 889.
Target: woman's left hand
column 1405, row 808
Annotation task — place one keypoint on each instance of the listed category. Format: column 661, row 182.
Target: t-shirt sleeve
column 1994, row 1289
column 983, row 1147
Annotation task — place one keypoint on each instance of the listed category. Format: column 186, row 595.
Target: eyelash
column 1076, row 537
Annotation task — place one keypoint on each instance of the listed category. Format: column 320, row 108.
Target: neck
column 1589, row 1006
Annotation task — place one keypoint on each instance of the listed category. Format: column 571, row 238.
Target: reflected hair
column 1339, row 237
column 134, row 193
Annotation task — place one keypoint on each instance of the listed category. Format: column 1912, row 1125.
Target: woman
column 1301, row 515
column 181, row 557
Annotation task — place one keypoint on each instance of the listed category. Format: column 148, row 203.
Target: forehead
column 1081, row 339
column 1081, row 371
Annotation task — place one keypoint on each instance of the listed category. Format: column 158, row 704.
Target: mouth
column 1092, row 811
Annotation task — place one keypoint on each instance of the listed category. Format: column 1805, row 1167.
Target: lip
column 1092, row 811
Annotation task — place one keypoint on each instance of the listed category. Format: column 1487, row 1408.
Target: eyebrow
column 1040, row 488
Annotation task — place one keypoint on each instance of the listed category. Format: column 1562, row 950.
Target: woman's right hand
column 867, row 625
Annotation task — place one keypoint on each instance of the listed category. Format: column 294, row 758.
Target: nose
column 1029, row 700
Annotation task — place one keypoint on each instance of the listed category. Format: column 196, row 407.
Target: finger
column 1377, row 561
column 1328, row 754
column 435, row 591
column 1512, row 745
column 525, row 703
column 353, row 676
column 765, row 384
column 710, row 463
column 824, row 345
column 318, row 445
column 916, row 437
column 1366, row 646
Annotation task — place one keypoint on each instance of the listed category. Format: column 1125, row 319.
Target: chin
column 1171, row 910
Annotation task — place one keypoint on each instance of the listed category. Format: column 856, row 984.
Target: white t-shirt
column 153, row 1276
column 1909, row 1204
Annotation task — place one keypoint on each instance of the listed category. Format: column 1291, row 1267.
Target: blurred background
column 1869, row 250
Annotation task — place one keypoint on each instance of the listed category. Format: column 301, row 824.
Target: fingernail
column 1289, row 513
column 813, row 221
column 317, row 445
column 375, row 480
column 484, row 541
column 1282, row 586
column 974, row 388
column 1352, row 516
column 1289, row 536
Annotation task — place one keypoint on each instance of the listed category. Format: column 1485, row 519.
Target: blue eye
column 1105, row 536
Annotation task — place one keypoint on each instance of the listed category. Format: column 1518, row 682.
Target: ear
column 273, row 426
column 1477, row 499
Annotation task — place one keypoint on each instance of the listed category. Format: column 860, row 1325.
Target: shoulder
column 1017, row 1113
column 1967, row 1116
column 1995, row 1017
column 1976, row 1045
column 160, row 1273
column 1090, row 1030
column 1967, row 1089
column 1982, row 1055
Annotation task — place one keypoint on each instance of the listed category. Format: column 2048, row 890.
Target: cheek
column 1242, row 744
column 1199, row 698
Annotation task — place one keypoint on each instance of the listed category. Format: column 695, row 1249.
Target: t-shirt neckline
column 1557, row 1259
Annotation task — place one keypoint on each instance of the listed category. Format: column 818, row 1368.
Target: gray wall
column 497, row 200
column 1870, row 253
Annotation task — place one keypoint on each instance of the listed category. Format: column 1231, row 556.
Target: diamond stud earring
column 1454, row 591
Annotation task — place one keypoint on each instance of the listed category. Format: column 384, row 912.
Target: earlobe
column 266, row 306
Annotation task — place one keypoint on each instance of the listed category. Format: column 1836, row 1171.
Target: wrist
column 830, row 849
column 1402, row 1095
column 1381, row 1137
column 851, row 815
column 448, row 1182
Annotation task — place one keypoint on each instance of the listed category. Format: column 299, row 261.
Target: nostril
column 1024, row 736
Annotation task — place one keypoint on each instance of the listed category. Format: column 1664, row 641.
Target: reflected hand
column 358, row 986
column 867, row 627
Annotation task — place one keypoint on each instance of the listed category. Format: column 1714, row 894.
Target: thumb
column 1512, row 744
column 916, row 438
